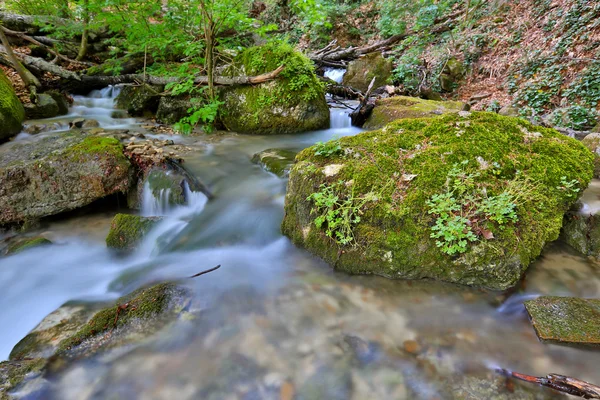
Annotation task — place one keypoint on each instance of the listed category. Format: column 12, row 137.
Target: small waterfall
column 155, row 205
column 335, row 74
column 100, row 106
column 340, row 118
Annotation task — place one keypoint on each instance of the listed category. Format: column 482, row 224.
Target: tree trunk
column 84, row 35
column 209, row 58
column 31, row 82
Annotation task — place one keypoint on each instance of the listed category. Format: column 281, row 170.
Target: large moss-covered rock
column 361, row 72
column 132, row 318
column 26, row 243
column 402, row 107
column 453, row 72
column 127, row 231
column 12, row 112
column 294, row 102
column 45, row 107
column 566, row 320
column 138, row 100
column 171, row 109
column 489, row 187
column 59, row 173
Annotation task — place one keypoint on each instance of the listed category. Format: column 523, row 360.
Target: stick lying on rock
column 205, row 272
column 561, row 383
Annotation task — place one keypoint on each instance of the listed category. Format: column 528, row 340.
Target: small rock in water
column 412, row 346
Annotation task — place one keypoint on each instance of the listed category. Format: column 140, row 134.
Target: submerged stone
column 127, row 231
column 276, row 161
column 26, row 243
column 403, row 107
column 134, row 317
column 361, row 72
column 414, row 200
column 58, row 173
column 12, row 112
column 566, row 320
column 293, row 102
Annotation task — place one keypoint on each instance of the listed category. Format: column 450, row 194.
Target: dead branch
column 561, row 383
column 206, row 272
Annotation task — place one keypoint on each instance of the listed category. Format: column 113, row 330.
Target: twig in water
column 561, row 383
column 206, row 272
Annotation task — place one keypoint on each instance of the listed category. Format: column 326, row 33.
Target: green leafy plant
column 328, row 149
column 338, row 213
column 569, row 187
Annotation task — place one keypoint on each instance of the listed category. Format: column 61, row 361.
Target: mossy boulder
column 276, row 161
column 388, row 187
column 403, row 107
column 25, row 244
column 61, row 101
column 361, row 72
column 582, row 232
column 12, row 112
column 592, row 142
column 138, row 100
column 13, row 373
column 45, row 107
column 453, row 72
column 134, row 317
column 127, row 231
column 294, row 102
column 171, row 109
column 59, row 173
column 566, row 320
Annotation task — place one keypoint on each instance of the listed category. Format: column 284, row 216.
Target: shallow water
column 275, row 320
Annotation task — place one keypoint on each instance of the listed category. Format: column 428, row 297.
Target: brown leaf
column 488, row 235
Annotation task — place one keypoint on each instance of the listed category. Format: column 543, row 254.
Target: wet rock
column 46, row 107
column 276, row 161
column 118, row 114
column 27, row 243
column 592, row 142
column 90, row 123
column 13, row 373
column 327, row 383
column 402, row 107
column 138, row 100
column 43, row 340
column 127, row 231
column 172, row 109
column 494, row 387
column 582, row 232
column 391, row 179
column 565, row 320
column 509, row 111
column 59, row 173
column 133, row 318
column 34, row 129
column 294, row 102
column 61, row 101
column 12, row 112
column 77, row 123
column 361, row 72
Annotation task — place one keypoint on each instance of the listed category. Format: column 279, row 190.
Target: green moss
column 12, row 373
column 361, row 72
column 408, row 162
column 566, row 320
column 126, row 231
column 293, row 102
column 12, row 112
column 142, row 304
column 276, row 161
column 403, row 107
column 27, row 243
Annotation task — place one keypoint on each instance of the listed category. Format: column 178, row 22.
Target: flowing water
column 275, row 322
column 335, row 74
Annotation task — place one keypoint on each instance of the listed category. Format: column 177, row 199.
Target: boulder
column 361, row 72
column 294, row 102
column 276, row 161
column 566, row 320
column 61, row 101
column 12, row 374
column 171, row 109
column 59, row 173
column 402, row 107
column 469, row 198
column 592, row 142
column 139, row 100
column 46, row 107
column 582, row 232
column 12, row 112
column 26, row 243
column 127, row 231
column 453, row 72
column 134, row 317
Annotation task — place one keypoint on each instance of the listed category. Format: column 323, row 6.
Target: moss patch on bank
column 404, row 165
column 294, row 102
column 27, row 243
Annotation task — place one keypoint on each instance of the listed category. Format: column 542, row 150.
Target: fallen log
column 29, row 23
column 561, row 383
column 343, row 91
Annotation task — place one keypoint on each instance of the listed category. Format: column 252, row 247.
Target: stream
column 275, row 322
